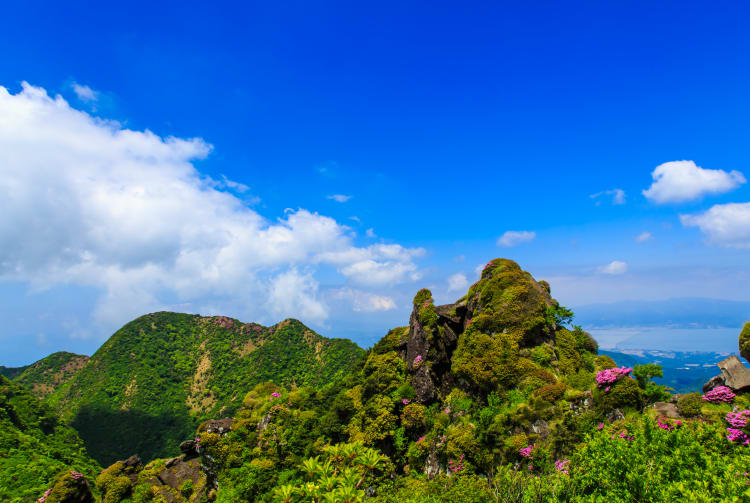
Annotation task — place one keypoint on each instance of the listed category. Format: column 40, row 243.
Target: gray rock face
column 432, row 466
column 736, row 375
column 667, row 409
column 713, row 382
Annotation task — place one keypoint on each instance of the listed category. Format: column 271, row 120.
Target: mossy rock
column 70, row 487
column 745, row 341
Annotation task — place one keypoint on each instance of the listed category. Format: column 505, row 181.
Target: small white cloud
column 85, row 93
column 614, row 268
column 680, row 181
column 457, row 282
column 340, row 198
column 370, row 233
column 356, row 219
column 478, row 270
column 365, row 302
column 643, row 237
column 514, row 238
column 724, row 224
column 618, row 196
column 237, row 186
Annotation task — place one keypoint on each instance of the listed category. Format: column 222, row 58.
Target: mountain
column 151, row 383
column 51, row 372
column 36, row 446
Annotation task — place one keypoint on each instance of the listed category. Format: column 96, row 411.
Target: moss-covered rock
column 70, row 487
column 745, row 341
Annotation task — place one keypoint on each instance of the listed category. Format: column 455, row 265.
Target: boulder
column 713, row 382
column 189, row 447
column 667, row 409
column 220, row 426
column 69, row 487
column 736, row 375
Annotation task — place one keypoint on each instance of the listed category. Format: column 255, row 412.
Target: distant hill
column 35, row 446
column 11, row 372
column 146, row 389
column 46, row 375
column 684, row 371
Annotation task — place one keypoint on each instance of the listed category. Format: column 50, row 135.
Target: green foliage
column 690, row 405
column 652, row 392
column 744, row 341
column 160, row 375
column 623, row 394
column 46, row 375
column 36, row 446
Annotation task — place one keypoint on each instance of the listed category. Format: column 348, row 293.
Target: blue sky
column 443, row 127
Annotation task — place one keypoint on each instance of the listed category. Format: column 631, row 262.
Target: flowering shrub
column 561, row 465
column 76, row 475
column 720, row 394
column 457, row 466
column 606, row 378
column 668, row 424
column 44, row 497
column 526, row 451
column 737, row 421
column 417, row 360
column 405, row 401
column 275, row 395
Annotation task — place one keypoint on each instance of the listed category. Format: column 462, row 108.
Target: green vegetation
column 745, row 341
column 160, row 375
column 46, row 375
column 36, row 447
column 497, row 401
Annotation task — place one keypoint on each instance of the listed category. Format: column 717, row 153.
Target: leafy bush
column 690, row 405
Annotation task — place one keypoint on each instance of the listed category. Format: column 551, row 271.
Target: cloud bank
column 88, row 202
column 515, row 238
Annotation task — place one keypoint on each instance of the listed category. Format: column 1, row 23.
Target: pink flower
column 600, row 426
column 44, row 497
column 720, row 394
column 76, row 475
column 526, row 451
column 417, row 360
column 561, row 465
column 274, row 395
column 420, row 439
column 607, row 377
column 405, row 401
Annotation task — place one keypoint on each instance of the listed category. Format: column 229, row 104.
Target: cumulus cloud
column 618, row 196
column 340, row 198
column 643, row 237
column 724, row 224
column 87, row 202
column 614, row 268
column 514, row 238
column 680, row 181
column 370, row 233
column 365, row 301
column 457, row 282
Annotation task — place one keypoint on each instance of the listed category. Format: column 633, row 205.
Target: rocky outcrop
column 713, row 382
column 69, row 487
column 667, row 409
column 735, row 374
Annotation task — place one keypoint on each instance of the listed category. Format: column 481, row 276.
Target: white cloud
column 370, row 233
column 618, row 196
column 614, row 268
column 680, row 181
column 364, row 301
column 514, row 238
column 91, row 204
column 724, row 224
column 85, row 93
column 643, row 237
column 340, row 198
column 457, row 282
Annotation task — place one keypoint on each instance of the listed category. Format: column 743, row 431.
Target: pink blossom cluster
column 457, row 466
column 600, row 426
column 738, row 419
column 737, row 436
column 441, row 441
column 274, row 395
column 667, row 424
column 44, row 497
column 606, row 378
column 76, row 475
column 224, row 321
column 405, row 401
column 526, row 451
column 626, row 437
column 561, row 465
column 420, row 439
column 417, row 360
column 720, row 394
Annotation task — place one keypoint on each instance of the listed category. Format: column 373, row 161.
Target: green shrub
column 690, row 405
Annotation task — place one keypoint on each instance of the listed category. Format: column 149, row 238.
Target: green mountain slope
column 49, row 373
column 146, row 389
column 35, row 446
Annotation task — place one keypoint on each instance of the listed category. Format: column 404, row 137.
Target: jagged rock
column 220, row 426
column 171, row 462
column 667, row 409
column 432, row 465
column 541, row 428
column 736, row 375
column 188, row 447
column 713, row 382
column 263, row 423
column 69, row 487
column 614, row 415
column 182, row 471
